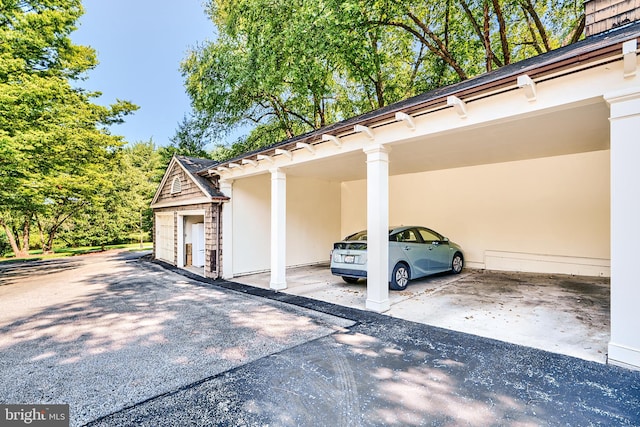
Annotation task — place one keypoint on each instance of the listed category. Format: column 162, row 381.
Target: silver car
column 414, row 252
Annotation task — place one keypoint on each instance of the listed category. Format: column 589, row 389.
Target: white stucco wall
column 547, row 215
column 313, row 221
column 251, row 224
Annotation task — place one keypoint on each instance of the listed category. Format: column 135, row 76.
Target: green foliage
column 189, row 140
column 5, row 247
column 286, row 67
column 123, row 207
column 56, row 153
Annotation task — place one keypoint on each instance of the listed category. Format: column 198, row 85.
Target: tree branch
column 444, row 55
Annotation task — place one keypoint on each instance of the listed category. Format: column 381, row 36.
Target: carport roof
column 597, row 49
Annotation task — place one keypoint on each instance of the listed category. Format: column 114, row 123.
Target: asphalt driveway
column 129, row 342
column 104, row 332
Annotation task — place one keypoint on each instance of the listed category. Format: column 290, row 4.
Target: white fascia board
column 183, row 202
column 164, row 180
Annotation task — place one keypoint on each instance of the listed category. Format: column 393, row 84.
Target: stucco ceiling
column 580, row 128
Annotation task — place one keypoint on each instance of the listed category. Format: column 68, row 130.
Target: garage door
column 165, row 238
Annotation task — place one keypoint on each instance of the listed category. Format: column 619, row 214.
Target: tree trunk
column 26, row 232
column 486, row 36
column 18, row 253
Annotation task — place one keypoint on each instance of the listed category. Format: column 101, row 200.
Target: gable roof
column 191, row 166
column 598, row 49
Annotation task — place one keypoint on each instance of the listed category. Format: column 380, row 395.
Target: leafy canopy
column 55, row 148
column 285, row 67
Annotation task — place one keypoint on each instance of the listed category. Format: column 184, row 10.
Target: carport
column 526, row 167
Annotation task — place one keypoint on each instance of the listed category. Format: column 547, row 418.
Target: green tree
column 190, row 139
column 289, row 67
column 124, row 206
column 55, row 148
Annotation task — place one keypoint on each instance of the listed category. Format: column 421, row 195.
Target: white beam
column 226, row 188
column 377, row 228
column 404, row 117
column 284, row 153
column 278, row 229
column 249, row 162
column 366, row 130
column 629, row 53
column 624, row 122
column 458, row 104
column 308, row 147
column 222, row 169
column 213, row 172
column 528, row 86
column 332, row 138
column 235, row 165
column 265, row 157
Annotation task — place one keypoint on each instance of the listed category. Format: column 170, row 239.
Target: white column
column 226, row 187
column 278, row 229
column 624, row 347
column 377, row 228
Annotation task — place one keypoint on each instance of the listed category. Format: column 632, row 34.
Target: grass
column 64, row 252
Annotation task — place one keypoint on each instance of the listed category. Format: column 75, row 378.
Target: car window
column 409, row 236
column 428, row 235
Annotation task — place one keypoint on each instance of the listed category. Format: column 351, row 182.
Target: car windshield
column 361, row 235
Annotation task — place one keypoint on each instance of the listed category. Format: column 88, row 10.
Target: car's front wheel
column 457, row 263
column 350, row 279
column 399, row 277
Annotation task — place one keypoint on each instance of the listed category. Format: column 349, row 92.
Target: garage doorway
column 191, row 244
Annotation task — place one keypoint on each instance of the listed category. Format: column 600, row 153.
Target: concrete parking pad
column 105, row 332
column 558, row 313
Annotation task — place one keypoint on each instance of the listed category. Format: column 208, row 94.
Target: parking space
column 558, row 313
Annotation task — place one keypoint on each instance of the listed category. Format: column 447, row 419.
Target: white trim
column 366, row 130
column 226, row 187
column 278, row 229
column 624, row 356
column 183, row 202
column 180, row 223
column 377, row 228
column 163, row 181
column 154, row 203
column 176, row 185
column 544, row 263
column 285, row 153
column 165, row 215
column 407, row 119
column 458, row 104
column 332, row 138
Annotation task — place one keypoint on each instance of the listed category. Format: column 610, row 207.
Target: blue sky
column 140, row 44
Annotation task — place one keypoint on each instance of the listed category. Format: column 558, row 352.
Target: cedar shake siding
column 193, row 200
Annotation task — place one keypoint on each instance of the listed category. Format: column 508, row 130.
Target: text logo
column 34, row 415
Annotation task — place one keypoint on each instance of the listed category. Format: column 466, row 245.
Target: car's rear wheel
column 399, row 277
column 457, row 263
column 350, row 279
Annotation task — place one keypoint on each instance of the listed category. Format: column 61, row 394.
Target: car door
column 414, row 251
column 437, row 248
